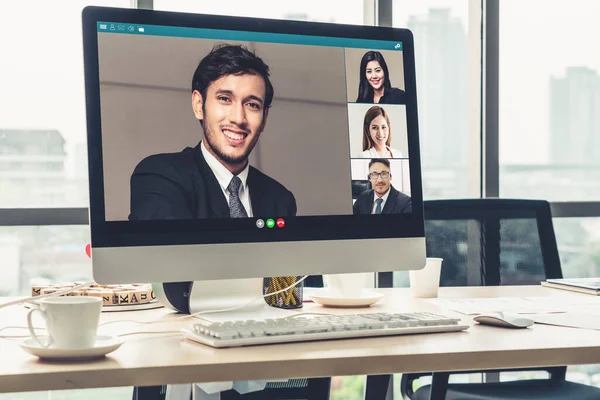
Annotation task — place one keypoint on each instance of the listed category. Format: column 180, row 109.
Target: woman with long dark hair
column 375, row 86
column 377, row 135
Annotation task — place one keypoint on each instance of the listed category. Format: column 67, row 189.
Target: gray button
column 260, row 223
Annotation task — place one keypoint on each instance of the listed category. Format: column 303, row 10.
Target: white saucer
column 103, row 346
column 365, row 299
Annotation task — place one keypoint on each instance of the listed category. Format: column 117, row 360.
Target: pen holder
column 291, row 298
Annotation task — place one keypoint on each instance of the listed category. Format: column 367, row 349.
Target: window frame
column 487, row 83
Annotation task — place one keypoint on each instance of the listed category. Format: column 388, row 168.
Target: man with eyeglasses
column 383, row 198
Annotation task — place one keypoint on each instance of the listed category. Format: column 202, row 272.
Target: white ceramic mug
column 71, row 322
column 426, row 282
column 348, row 285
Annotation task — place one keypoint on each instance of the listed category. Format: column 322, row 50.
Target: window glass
column 38, row 255
column 549, row 100
column 338, row 11
column 448, row 68
column 43, row 161
column 578, row 242
column 119, row 393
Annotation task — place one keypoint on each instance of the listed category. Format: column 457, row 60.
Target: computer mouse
column 506, row 320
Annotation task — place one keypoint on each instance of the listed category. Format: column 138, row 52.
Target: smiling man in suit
column 231, row 96
column 383, row 198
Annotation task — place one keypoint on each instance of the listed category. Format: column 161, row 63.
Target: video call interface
column 216, row 127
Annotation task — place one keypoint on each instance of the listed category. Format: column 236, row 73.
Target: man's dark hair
column 384, row 161
column 229, row 59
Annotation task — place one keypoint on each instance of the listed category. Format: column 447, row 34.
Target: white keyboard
column 319, row 327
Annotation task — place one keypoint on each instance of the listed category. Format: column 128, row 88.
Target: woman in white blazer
column 377, row 135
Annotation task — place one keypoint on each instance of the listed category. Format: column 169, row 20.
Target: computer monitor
column 228, row 148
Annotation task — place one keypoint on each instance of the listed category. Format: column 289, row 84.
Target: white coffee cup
column 71, row 322
column 348, row 285
column 426, row 282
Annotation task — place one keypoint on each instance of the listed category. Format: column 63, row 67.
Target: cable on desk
column 157, row 321
column 35, row 298
column 43, row 296
column 147, row 332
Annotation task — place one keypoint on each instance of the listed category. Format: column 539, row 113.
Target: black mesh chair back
column 490, row 242
column 359, row 186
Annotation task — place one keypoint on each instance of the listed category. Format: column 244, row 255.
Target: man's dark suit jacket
column 182, row 186
column 396, row 203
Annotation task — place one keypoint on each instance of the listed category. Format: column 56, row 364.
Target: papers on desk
column 570, row 319
column 571, row 311
column 572, row 303
column 582, row 312
column 481, row 305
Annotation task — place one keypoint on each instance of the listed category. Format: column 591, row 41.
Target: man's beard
column 209, row 135
column 380, row 190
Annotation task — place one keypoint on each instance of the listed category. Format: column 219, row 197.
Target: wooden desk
column 158, row 359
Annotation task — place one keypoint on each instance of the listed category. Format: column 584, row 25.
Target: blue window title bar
column 245, row 36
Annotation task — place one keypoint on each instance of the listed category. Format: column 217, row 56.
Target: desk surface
column 159, row 359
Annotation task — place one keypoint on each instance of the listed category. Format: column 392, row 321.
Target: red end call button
column 280, row 222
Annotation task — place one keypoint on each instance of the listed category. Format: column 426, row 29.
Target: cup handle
column 32, row 331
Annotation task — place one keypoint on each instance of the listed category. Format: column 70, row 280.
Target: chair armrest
column 406, row 384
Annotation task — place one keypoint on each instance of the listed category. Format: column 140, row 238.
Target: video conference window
column 370, row 74
column 383, row 186
column 232, row 129
column 377, row 131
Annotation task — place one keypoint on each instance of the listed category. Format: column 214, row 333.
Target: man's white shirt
column 384, row 198
column 224, row 176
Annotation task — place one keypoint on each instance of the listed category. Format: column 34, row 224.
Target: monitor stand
column 225, row 294
column 247, row 294
column 231, row 293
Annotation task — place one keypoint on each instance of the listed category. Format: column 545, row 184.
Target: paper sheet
column 570, row 319
column 568, row 301
column 482, row 305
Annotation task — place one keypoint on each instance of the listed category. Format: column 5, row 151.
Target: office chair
column 294, row 389
column 359, row 186
column 489, row 242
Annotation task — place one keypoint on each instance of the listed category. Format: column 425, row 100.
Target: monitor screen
column 211, row 130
